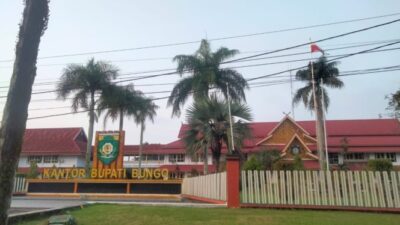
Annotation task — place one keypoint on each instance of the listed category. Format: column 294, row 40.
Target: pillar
column 232, row 181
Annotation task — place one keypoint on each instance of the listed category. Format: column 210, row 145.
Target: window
column 34, row 158
column 333, row 158
column 355, row 156
column 177, row 158
column 389, row 155
column 198, row 157
column 50, row 159
column 151, row 157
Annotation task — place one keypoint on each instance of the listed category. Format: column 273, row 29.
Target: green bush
column 380, row 165
column 298, row 163
column 252, row 164
column 33, row 171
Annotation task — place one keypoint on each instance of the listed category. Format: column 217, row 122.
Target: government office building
column 353, row 142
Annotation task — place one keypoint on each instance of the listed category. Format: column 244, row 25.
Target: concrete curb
column 14, row 218
column 173, row 204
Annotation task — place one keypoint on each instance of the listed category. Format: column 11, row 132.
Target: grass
column 102, row 214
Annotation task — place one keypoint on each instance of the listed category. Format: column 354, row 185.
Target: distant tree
column 325, row 73
column 206, row 73
column 380, row 165
column 394, row 104
column 148, row 111
column 33, row 170
column 209, row 126
column 268, row 158
column 15, row 113
column 84, row 81
column 120, row 101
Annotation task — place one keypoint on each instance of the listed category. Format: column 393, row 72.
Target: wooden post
column 232, row 180
column 128, row 188
column 76, row 186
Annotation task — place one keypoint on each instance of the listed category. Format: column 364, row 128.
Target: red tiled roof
column 54, row 141
column 369, row 135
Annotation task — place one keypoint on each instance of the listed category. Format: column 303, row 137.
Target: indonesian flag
column 316, row 48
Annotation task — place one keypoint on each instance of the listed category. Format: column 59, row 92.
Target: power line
column 317, row 41
column 253, row 59
column 253, row 84
column 234, row 67
column 341, row 57
column 216, row 39
column 166, row 97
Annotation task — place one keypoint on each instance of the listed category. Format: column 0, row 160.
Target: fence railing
column 212, row 186
column 336, row 188
column 19, row 184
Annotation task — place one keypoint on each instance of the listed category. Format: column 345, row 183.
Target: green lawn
column 103, row 214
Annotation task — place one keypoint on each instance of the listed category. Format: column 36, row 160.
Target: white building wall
column 154, row 164
column 63, row 161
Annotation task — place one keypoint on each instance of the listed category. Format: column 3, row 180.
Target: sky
column 77, row 26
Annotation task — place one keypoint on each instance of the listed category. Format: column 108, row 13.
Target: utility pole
column 230, row 119
column 291, row 92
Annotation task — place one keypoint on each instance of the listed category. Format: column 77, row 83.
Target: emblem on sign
column 108, row 148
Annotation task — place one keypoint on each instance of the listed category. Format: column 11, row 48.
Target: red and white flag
column 316, row 48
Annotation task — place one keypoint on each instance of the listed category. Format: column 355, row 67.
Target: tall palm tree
column 206, row 73
column 15, row 113
column 84, row 81
column 325, row 74
column 147, row 111
column 209, row 127
column 120, row 101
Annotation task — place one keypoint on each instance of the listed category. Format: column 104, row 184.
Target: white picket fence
column 337, row 188
column 19, row 185
column 212, row 186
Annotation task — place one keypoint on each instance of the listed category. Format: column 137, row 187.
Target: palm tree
column 147, row 111
column 325, row 73
column 15, row 113
column 120, row 101
column 209, row 127
column 84, row 81
column 204, row 67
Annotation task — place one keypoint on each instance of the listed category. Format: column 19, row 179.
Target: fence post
column 232, row 180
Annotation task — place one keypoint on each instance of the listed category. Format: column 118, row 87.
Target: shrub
column 298, row 163
column 380, row 165
column 33, row 170
column 252, row 164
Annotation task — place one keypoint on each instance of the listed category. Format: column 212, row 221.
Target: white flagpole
column 315, row 105
column 230, row 117
column 325, row 135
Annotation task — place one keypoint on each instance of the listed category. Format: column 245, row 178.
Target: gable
column 284, row 132
column 304, row 152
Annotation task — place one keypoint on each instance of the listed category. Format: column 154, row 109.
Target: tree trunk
column 320, row 134
column 141, row 144
column 205, row 159
column 90, row 134
column 15, row 114
column 121, row 120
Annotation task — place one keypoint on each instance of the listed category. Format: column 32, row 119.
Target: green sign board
column 108, row 148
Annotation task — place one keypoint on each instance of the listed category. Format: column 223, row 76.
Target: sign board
column 108, row 151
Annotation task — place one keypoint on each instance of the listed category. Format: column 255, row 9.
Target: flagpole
column 321, row 161
column 230, row 118
column 325, row 135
